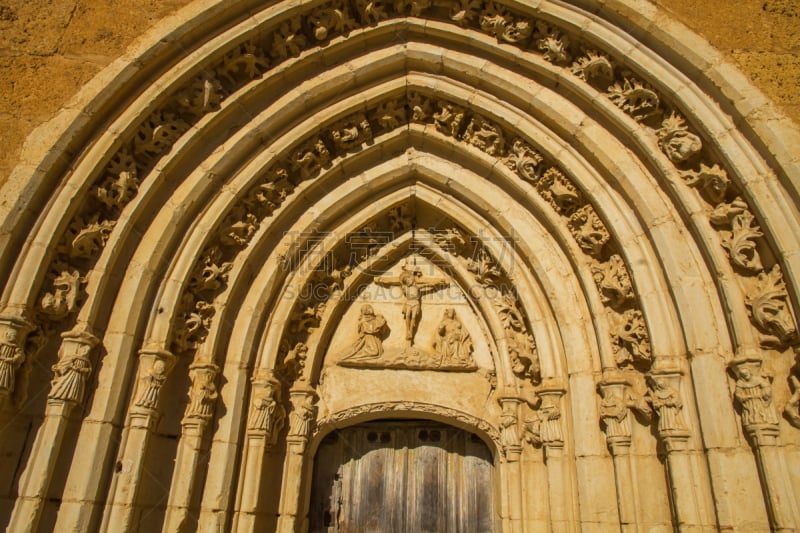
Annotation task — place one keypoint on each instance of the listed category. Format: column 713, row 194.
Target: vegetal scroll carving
column 553, row 43
column 589, row 231
column 769, row 308
column 65, row 296
column 629, row 337
column 740, row 242
column 524, row 160
column 593, row 67
column 711, row 182
column 636, row 98
column 484, row 135
column 614, row 282
column 497, row 21
column 676, row 141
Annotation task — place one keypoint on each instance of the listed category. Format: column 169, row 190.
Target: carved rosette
column 202, row 393
column 71, row 372
column 13, row 354
column 753, row 396
column 154, row 368
column 267, row 414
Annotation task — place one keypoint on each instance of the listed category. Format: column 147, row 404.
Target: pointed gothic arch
column 157, row 245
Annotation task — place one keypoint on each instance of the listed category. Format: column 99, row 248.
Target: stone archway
column 185, row 270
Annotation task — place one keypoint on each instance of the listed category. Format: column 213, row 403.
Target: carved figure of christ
column 414, row 286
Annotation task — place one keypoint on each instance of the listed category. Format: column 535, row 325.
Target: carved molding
column 341, row 418
column 206, row 91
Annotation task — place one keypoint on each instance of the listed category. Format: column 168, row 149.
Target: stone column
column 202, row 398
column 559, row 477
column 687, row 476
column 512, row 451
column 264, row 423
column 761, row 425
column 154, row 368
column 67, row 390
column 302, row 419
column 615, row 417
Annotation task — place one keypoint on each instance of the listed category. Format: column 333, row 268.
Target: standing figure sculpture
column 369, row 345
column 12, row 355
column 667, row 403
column 754, row 394
column 452, row 342
column 413, row 286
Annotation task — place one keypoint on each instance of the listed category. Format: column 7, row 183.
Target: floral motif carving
column 448, row 118
column 740, row 242
column 676, row 141
column 524, row 160
column 769, row 308
column 64, row 299
column 391, row 114
column 589, row 231
column 500, row 23
column 191, row 323
column 158, row 133
column 484, row 135
column 118, row 189
column 635, row 97
column 351, row 133
column 552, row 43
column 629, row 338
column 244, row 63
column 711, row 182
column 593, row 67
column 563, row 195
column 614, row 282
column 86, row 238
column 465, row 11
column 288, row 40
column 203, row 94
column 372, row 11
column 411, row 7
column 327, row 21
column 310, row 159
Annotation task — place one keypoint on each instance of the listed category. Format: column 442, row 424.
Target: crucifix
column 414, row 285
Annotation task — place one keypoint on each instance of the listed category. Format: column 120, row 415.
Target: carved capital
column 509, row 427
column 664, row 382
column 267, row 414
column 303, row 416
column 13, row 333
column 203, row 392
column 71, row 372
column 753, row 396
column 154, row 367
column 619, row 400
column 550, row 414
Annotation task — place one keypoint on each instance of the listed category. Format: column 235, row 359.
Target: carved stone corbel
column 267, row 414
column 753, row 395
column 664, row 382
column 13, row 335
column 71, row 372
column 303, row 416
column 154, row 368
column 202, row 394
column 509, row 428
column 618, row 401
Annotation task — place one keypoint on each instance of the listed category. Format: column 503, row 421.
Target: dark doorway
column 402, row 476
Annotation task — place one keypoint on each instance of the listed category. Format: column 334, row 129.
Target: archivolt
column 594, row 142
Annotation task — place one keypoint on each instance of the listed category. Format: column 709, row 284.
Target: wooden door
column 402, row 476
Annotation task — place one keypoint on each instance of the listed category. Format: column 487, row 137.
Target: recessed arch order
column 633, row 218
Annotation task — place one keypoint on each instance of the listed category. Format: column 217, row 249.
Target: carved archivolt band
column 407, row 409
column 285, row 38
